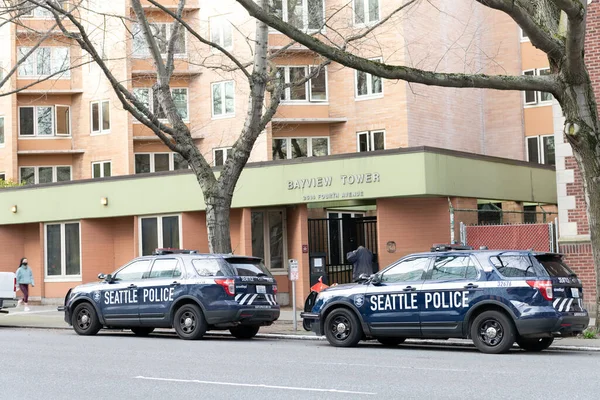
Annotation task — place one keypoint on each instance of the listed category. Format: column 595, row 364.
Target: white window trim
column 307, row 86
column 369, row 96
column 538, row 94
column 3, row 143
column 101, row 163
column 222, row 149
column 63, row 250
column 366, row 8
column 159, row 230
column 34, row 8
column 540, row 147
column 164, row 55
column 152, row 162
column 65, row 75
column 266, row 235
column 101, row 131
column 223, row 22
column 151, row 102
column 2, row 176
column 36, row 174
column 35, row 126
column 224, row 115
column 371, row 140
column 522, row 36
column 308, row 145
column 285, row 17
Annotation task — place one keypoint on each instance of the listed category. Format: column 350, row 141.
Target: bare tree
column 556, row 27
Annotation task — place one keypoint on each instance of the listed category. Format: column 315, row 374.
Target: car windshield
column 554, row 265
column 248, row 267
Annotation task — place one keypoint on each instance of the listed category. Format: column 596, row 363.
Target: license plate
column 261, row 289
column 575, row 292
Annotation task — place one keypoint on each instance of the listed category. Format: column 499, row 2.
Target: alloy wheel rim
column 84, row 319
column 491, row 332
column 341, row 328
column 187, row 322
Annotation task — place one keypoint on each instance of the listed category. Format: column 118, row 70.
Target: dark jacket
column 362, row 259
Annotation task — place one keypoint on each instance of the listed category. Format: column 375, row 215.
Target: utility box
column 317, row 268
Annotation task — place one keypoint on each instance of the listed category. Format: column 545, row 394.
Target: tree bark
column 218, row 208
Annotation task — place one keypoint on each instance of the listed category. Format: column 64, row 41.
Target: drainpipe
column 451, row 208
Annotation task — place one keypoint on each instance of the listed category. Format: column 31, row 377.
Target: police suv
column 179, row 289
column 493, row 297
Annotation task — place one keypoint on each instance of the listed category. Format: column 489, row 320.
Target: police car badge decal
column 96, row 297
column 359, row 300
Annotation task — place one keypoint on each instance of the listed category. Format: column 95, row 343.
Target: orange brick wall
column 97, row 248
column 297, row 235
column 195, row 236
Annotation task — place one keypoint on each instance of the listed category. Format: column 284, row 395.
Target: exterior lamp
column 13, row 209
column 104, row 201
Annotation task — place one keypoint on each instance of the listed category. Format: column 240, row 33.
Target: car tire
column 391, row 341
column 492, row 332
column 244, row 331
column 535, row 345
column 189, row 322
column 142, row 331
column 85, row 320
column 342, row 328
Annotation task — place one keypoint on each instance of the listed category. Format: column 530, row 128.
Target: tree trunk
column 218, row 209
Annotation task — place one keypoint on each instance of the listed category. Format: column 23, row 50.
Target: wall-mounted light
column 104, row 201
column 13, row 209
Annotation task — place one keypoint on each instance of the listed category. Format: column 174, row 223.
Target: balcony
column 141, row 133
column 305, row 113
column 144, row 68
column 190, row 5
column 46, row 146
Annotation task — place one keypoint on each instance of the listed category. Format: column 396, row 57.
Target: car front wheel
column 342, row 328
column 85, row 320
column 493, row 332
column 189, row 322
column 535, row 345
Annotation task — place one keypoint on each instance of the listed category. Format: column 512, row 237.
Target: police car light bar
column 160, row 252
column 449, row 247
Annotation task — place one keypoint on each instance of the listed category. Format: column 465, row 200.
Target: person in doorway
column 24, row 279
column 362, row 260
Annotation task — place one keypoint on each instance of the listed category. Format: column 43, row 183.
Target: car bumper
column 243, row 316
column 312, row 320
column 67, row 312
column 8, row 303
column 564, row 326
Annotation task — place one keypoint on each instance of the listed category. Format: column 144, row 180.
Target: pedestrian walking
column 362, row 261
column 24, row 279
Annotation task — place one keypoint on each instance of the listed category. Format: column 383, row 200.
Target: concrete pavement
column 47, row 317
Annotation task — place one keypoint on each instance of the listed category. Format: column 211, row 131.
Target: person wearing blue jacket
column 24, row 279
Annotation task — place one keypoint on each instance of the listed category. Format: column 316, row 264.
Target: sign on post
column 293, row 275
column 293, row 270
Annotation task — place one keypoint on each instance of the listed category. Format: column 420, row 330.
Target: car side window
column 406, row 271
column 165, row 268
column 514, row 266
column 133, row 271
column 453, row 267
column 208, row 267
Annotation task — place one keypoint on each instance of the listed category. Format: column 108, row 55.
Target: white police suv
column 179, row 289
column 493, row 297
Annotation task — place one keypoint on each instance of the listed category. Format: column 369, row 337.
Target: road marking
column 305, row 389
column 29, row 312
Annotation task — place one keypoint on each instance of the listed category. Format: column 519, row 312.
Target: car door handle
column 409, row 289
column 471, row 286
column 175, row 283
column 132, row 286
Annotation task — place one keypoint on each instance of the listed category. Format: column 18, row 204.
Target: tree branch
column 573, row 8
column 576, row 24
column 546, row 83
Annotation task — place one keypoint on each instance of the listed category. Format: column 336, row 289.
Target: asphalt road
column 58, row 364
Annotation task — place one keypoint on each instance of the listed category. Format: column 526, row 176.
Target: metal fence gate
column 539, row 237
column 335, row 237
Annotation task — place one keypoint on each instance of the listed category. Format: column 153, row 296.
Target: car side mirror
column 101, row 276
column 376, row 279
column 364, row 277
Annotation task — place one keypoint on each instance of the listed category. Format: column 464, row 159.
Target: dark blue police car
column 178, row 289
column 493, row 297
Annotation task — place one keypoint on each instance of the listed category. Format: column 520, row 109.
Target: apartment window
column 63, row 250
column 44, row 61
column 158, row 162
column 286, row 148
column 314, row 90
column 366, row 11
column 368, row 85
column 269, row 237
column 101, row 169
column 530, row 214
column 162, row 34
column 1, row 131
column 100, row 113
column 159, row 232
column 45, row 121
column 533, row 97
column 221, row 32
column 370, row 141
column 46, row 174
column 540, row 150
column 524, row 37
column 223, row 99
column 2, row 176
column 221, row 155
column 148, row 97
column 307, row 15
column 41, row 12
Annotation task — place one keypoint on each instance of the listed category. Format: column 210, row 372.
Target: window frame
column 539, row 148
column 63, row 277
column 523, row 36
column 305, row 29
column 537, row 94
column 34, row 8
column 54, row 115
column 159, row 225
column 3, row 176
column 371, row 140
column 36, row 173
column 101, row 130
column 267, row 239
column 309, row 145
column 147, row 54
column 223, row 115
column 222, row 21
column 33, row 58
column 366, row 13
column 101, row 164
column 370, row 95
column 153, row 162
column 307, row 85
column 151, row 102
column 225, row 156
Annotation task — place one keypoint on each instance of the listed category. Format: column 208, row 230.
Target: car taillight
column 274, row 289
column 228, row 285
column 545, row 288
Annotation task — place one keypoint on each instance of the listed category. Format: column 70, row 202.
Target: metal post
column 452, row 239
column 556, row 233
column 294, row 305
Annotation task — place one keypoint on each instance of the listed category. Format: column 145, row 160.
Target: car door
column 158, row 290
column 393, row 300
column 451, row 283
column 119, row 301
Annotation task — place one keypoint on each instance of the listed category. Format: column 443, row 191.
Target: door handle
column 471, row 286
column 409, row 289
column 132, row 286
column 175, row 283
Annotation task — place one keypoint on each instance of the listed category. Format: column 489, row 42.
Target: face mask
column 24, row 263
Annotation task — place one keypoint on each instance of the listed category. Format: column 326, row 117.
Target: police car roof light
column 160, row 252
column 449, row 247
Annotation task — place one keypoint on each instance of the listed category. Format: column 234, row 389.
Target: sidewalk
column 49, row 318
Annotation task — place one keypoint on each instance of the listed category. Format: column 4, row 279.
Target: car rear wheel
column 245, row 331
column 189, row 322
column 139, row 331
column 391, row 341
column 535, row 345
column 342, row 328
column 493, row 332
column 85, row 320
